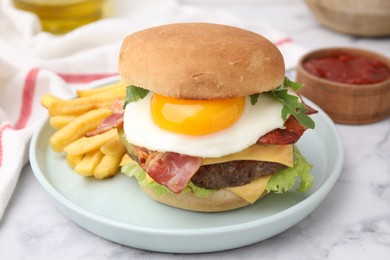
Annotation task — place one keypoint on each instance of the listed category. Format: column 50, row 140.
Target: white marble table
column 353, row 222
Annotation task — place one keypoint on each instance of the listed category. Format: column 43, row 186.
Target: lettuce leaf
column 134, row 93
column 285, row 180
column 132, row 169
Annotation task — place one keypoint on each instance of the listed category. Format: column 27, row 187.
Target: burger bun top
column 200, row 61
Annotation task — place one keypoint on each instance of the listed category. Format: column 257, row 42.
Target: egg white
column 255, row 121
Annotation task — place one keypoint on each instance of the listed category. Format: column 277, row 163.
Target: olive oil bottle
column 61, row 16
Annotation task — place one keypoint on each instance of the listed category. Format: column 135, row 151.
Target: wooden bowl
column 346, row 103
column 370, row 18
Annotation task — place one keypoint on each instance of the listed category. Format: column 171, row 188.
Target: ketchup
column 349, row 69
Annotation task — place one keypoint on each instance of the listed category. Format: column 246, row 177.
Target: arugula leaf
column 254, row 98
column 134, row 93
column 292, row 106
column 292, row 84
column 291, row 103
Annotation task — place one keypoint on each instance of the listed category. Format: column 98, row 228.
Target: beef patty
column 233, row 173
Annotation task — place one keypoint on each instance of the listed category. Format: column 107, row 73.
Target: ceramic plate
column 117, row 210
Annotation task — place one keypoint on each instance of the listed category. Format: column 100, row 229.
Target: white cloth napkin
column 33, row 63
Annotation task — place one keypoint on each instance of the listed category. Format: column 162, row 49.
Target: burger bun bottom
column 221, row 200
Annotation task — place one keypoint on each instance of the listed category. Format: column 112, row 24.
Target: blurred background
column 74, row 42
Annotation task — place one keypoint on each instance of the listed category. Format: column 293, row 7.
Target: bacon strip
column 113, row 121
column 290, row 134
column 172, row 169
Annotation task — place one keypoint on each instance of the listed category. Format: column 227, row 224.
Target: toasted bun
column 200, row 61
column 221, row 200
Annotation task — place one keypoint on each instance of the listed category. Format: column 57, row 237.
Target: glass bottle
column 61, row 16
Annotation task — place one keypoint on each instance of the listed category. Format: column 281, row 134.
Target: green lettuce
column 285, row 180
column 134, row 93
column 132, row 169
column 280, row 182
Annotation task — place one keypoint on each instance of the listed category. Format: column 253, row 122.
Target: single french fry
column 73, row 160
column 107, row 167
column 57, row 122
column 83, row 104
column 77, row 128
column 88, row 164
column 114, row 147
column 48, row 100
column 88, row 144
column 94, row 91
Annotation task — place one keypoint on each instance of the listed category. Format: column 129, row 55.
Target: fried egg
column 203, row 128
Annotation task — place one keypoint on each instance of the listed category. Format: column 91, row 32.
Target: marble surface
column 353, row 222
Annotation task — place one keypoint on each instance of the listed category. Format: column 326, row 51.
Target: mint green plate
column 117, row 210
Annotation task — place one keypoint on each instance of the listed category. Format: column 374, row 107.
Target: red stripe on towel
column 26, row 107
column 84, row 78
column 283, row 41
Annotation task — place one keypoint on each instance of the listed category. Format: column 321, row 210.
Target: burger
column 210, row 121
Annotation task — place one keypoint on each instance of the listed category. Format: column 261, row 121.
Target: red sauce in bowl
column 349, row 69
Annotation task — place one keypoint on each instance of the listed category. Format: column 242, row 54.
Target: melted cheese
column 251, row 191
column 125, row 160
column 269, row 153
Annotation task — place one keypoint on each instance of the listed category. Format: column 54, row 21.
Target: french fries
column 73, row 160
column 114, row 147
column 48, row 100
column 77, row 128
column 84, row 104
column 94, row 91
column 98, row 156
column 88, row 164
column 58, row 122
column 88, row 144
column 107, row 166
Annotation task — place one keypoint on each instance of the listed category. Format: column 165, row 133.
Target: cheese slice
column 282, row 154
column 125, row 160
column 251, row 191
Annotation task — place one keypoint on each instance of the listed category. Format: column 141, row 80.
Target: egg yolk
column 195, row 117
